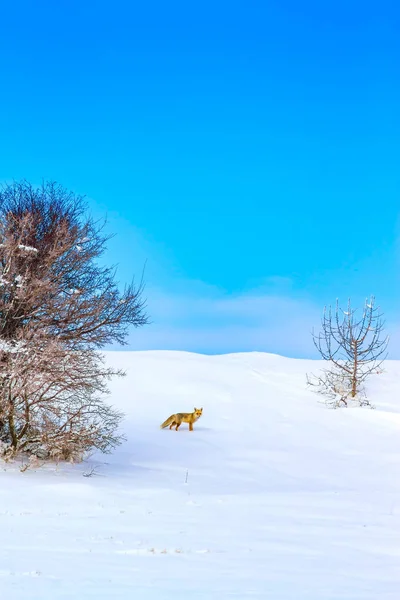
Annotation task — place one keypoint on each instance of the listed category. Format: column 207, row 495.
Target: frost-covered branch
column 354, row 347
column 58, row 306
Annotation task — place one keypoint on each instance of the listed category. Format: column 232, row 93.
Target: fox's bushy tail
column 167, row 422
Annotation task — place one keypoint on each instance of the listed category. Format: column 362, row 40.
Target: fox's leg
column 177, row 426
column 172, row 424
column 190, row 426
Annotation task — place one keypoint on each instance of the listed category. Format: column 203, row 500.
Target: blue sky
column 248, row 151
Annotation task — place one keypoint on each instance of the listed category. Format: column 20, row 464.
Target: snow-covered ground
column 272, row 495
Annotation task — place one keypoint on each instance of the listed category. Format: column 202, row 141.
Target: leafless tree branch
column 58, row 307
column 355, row 348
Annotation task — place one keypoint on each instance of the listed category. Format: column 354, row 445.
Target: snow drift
column 272, row 495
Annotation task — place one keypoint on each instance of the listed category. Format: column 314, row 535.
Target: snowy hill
column 272, row 495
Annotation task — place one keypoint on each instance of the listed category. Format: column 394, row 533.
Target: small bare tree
column 354, row 348
column 58, row 307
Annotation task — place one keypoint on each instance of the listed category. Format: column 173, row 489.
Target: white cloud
column 205, row 319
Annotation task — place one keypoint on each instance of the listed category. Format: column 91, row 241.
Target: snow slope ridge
column 272, row 495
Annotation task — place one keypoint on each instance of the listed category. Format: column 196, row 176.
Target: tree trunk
column 13, row 432
column 355, row 372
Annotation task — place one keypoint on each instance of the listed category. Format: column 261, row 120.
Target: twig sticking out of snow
column 91, row 472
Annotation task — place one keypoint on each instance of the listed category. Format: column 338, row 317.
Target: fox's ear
column 195, row 409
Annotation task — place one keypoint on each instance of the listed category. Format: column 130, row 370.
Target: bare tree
column 58, row 307
column 355, row 347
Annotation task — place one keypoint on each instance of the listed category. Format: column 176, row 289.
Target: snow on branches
column 58, row 307
column 354, row 348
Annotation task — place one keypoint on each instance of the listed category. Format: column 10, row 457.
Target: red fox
column 180, row 418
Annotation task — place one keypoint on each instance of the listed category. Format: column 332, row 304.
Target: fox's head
column 198, row 412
